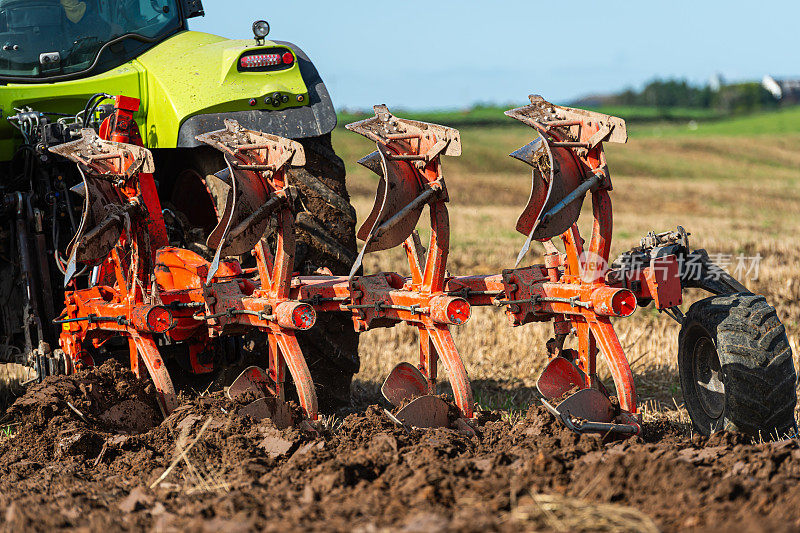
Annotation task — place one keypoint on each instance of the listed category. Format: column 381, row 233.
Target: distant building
column 716, row 82
column 787, row 91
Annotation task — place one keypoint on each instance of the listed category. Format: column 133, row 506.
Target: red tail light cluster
column 450, row 310
column 459, row 311
column 152, row 319
column 260, row 60
column 295, row 315
column 266, row 60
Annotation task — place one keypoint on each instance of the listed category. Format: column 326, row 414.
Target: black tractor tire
column 326, row 232
column 325, row 228
column 736, row 367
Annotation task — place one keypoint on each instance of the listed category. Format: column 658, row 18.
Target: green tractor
column 60, row 63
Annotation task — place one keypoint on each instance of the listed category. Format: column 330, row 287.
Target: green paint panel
column 65, row 97
column 196, row 73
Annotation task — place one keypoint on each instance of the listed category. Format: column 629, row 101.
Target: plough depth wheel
column 736, row 367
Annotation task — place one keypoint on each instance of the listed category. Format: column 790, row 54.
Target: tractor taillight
column 266, row 60
column 260, row 60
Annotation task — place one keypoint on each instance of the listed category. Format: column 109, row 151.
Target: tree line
column 731, row 98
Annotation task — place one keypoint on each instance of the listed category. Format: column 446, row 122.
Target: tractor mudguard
column 317, row 118
column 189, row 84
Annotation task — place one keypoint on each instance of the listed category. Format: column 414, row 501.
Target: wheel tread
column 759, row 374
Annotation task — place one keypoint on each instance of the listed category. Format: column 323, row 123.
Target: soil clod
column 60, row 470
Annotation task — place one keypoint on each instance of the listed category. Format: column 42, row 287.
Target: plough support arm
column 408, row 162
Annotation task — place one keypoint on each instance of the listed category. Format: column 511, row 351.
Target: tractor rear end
column 735, row 365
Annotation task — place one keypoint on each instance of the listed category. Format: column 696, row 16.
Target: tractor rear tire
column 326, row 239
column 736, row 368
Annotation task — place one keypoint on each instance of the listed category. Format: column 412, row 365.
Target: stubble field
column 64, row 465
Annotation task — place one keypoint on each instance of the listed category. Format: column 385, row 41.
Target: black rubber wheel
column 326, row 226
column 736, row 367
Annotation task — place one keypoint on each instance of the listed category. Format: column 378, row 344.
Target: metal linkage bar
column 235, row 312
column 317, row 300
column 402, row 136
column 569, row 144
column 258, row 168
column 407, row 157
column 184, row 305
column 559, row 123
column 380, row 306
column 572, row 302
column 267, row 208
column 426, row 196
column 582, row 189
column 253, row 146
column 468, row 293
column 94, row 319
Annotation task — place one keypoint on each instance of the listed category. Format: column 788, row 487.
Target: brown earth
column 91, row 465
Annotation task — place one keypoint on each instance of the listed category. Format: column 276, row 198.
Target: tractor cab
column 54, row 40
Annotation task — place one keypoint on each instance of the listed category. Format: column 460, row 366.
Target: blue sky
column 437, row 54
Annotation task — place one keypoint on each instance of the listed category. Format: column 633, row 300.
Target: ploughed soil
column 92, row 452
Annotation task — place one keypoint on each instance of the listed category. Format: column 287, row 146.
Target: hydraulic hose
column 91, row 106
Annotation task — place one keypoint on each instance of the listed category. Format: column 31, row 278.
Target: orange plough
column 160, row 298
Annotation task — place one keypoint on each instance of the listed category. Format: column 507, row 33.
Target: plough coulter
column 156, row 300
